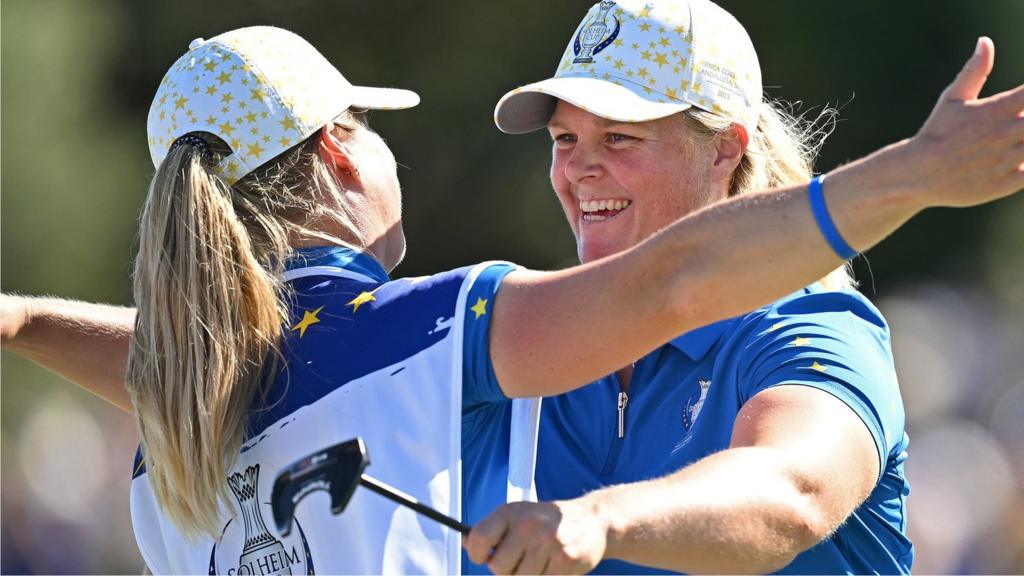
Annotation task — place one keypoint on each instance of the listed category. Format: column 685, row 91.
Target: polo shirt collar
column 338, row 257
column 697, row 343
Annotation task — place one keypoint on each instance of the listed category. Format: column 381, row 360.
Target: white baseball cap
column 637, row 60
column 261, row 90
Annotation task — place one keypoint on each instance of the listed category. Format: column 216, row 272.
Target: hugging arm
column 85, row 343
column 556, row 331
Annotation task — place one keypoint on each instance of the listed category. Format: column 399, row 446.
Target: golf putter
column 338, row 470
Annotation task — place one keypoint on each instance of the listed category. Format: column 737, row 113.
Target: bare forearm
column 85, row 343
column 713, row 516
column 719, row 262
column 756, row 248
column 968, row 152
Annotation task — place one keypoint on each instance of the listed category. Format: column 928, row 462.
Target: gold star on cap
column 255, row 149
column 280, row 84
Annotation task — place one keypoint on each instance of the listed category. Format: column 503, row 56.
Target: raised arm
column 553, row 332
column 85, row 343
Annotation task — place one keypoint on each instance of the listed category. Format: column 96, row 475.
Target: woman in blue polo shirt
column 770, row 442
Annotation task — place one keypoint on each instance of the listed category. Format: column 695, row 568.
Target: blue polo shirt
column 684, row 398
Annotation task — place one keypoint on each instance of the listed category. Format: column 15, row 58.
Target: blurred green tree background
column 78, row 75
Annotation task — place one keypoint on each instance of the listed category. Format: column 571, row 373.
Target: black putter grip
column 395, row 495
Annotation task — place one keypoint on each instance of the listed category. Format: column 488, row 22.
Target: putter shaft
column 404, row 499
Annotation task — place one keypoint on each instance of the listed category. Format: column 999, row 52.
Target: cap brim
column 529, row 107
column 383, row 98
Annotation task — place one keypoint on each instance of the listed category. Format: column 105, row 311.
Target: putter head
column 336, row 469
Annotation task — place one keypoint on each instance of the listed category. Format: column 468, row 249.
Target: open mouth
column 601, row 210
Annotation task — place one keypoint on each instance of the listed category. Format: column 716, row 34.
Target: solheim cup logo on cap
column 594, row 37
column 246, row 546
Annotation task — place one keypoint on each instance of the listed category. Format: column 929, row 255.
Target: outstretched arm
column 85, row 343
column 554, row 332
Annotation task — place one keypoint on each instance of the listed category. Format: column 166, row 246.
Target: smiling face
column 621, row 182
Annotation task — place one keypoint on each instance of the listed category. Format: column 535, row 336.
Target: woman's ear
column 730, row 146
column 336, row 153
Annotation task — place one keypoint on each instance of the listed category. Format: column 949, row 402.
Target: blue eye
column 564, row 139
column 616, row 137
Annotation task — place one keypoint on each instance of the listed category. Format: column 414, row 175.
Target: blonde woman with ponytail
column 268, row 327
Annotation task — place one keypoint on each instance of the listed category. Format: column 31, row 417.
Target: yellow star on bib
column 818, row 367
column 358, row 301
column 308, row 319
column 800, row 342
column 480, row 308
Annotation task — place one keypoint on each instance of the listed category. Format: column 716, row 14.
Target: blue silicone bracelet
column 825, row 224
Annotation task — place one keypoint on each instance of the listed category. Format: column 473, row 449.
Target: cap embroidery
column 594, row 37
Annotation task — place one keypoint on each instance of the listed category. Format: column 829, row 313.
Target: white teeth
column 596, row 205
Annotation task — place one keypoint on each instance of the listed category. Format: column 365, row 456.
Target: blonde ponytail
column 211, row 307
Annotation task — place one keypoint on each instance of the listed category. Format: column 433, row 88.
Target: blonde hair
column 781, row 153
column 211, row 306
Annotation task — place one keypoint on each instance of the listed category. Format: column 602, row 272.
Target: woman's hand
column 971, row 149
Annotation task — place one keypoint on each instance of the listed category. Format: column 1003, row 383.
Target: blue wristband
column 825, row 224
